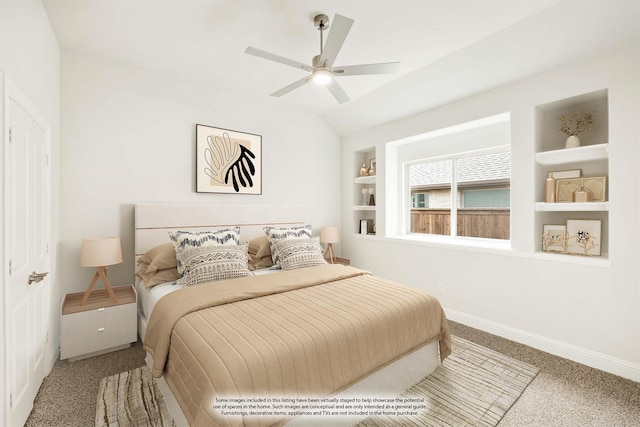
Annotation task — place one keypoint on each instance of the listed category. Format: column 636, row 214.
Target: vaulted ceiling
column 447, row 49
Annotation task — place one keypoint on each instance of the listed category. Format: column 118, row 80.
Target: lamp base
column 332, row 255
column 101, row 272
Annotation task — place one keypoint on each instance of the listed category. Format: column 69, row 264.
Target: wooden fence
column 487, row 223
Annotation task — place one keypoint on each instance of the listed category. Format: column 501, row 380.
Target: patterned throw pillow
column 275, row 234
column 204, row 264
column 299, row 253
column 185, row 239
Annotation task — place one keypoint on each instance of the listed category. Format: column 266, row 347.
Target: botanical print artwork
column 228, row 161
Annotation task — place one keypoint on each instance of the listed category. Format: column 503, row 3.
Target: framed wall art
column 595, row 184
column 584, row 236
column 554, row 238
column 372, row 166
column 228, row 161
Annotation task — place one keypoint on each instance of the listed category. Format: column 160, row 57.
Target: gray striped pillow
column 275, row 234
column 186, row 239
column 299, row 253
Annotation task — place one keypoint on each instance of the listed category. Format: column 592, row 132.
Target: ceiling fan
column 322, row 69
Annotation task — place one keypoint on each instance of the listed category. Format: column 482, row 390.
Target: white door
column 27, row 209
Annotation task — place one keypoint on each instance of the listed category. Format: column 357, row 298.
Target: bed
column 324, row 330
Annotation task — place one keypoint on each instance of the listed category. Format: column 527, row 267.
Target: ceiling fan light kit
column 322, row 69
column 321, row 77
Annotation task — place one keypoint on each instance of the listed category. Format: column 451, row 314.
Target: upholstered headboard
column 154, row 221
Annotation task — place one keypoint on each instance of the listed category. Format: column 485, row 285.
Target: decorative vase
column 572, row 142
column 364, row 171
column 550, row 189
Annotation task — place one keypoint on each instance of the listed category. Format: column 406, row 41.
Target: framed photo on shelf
column 595, row 184
column 574, row 173
column 584, row 237
column 554, row 238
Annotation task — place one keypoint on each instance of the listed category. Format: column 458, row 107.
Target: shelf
column 365, row 180
column 365, row 236
column 572, row 207
column 364, row 208
column 569, row 155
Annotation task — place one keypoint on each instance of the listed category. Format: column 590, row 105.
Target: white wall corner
column 585, row 356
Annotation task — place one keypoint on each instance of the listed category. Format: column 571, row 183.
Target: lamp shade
column 329, row 235
column 100, row 252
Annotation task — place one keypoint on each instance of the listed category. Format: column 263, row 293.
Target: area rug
column 131, row 398
column 475, row 386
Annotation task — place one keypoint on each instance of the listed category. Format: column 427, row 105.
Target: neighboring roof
column 490, row 167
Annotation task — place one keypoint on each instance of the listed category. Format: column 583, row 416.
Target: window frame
column 453, row 157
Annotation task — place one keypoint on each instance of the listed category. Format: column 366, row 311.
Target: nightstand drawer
column 97, row 329
column 94, row 330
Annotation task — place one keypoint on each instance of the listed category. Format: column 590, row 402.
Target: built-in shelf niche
column 592, row 158
column 361, row 210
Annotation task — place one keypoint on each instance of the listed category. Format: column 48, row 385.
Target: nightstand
column 99, row 326
column 343, row 261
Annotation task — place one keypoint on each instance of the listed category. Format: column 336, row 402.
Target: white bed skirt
column 389, row 381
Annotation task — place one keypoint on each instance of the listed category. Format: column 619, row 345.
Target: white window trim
column 453, row 237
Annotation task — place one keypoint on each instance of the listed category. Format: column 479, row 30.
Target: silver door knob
column 37, row 277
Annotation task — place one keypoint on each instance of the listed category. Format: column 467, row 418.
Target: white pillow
column 185, row 239
column 275, row 234
column 204, row 264
column 299, row 253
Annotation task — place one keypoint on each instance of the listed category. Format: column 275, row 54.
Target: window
column 486, row 198
column 451, row 183
column 463, row 194
column 420, row 200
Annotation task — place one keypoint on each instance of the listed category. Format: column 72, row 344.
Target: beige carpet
column 131, row 398
column 475, row 386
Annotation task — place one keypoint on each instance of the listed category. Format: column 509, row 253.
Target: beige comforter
column 300, row 333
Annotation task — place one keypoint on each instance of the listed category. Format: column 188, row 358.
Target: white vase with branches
column 575, row 125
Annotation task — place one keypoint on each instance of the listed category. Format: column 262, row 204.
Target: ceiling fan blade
column 292, row 86
column 358, row 70
column 277, row 58
column 340, row 27
column 338, row 93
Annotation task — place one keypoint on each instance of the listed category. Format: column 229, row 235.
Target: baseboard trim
column 585, row 356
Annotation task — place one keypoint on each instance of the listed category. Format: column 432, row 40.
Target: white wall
column 586, row 311
column 30, row 57
column 129, row 137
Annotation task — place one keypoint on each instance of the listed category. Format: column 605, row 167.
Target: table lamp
column 100, row 252
column 330, row 235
